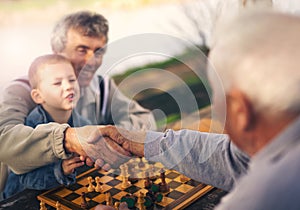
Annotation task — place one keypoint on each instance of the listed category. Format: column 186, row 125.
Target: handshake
column 105, row 146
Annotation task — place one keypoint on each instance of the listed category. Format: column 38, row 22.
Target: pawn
column 98, row 187
column 84, row 203
column 141, row 163
column 116, row 205
column 125, row 183
column 141, row 201
column 43, row 205
column 91, row 187
column 147, row 182
column 108, row 199
column 58, row 206
column 151, row 173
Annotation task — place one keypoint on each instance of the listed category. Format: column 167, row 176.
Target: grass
column 155, row 99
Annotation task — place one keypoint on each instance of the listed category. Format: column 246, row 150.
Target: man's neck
column 267, row 129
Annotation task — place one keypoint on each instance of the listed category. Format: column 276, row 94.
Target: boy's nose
column 67, row 85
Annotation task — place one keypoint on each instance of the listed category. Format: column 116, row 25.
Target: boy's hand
column 70, row 164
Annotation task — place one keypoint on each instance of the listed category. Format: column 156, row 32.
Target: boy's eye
column 57, row 83
column 72, row 80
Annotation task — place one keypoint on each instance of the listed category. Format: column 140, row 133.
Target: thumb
column 123, row 206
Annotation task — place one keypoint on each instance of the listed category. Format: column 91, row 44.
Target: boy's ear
column 36, row 96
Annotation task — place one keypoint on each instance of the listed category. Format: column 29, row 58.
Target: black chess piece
column 130, row 200
column 147, row 182
column 163, row 186
column 84, row 204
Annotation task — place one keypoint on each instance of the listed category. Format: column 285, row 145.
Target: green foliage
column 157, row 65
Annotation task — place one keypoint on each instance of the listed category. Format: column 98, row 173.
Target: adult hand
column 105, row 152
column 131, row 141
column 72, row 145
column 123, row 206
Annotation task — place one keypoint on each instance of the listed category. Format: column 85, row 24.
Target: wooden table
column 27, row 200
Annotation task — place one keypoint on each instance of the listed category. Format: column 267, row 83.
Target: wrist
column 67, row 142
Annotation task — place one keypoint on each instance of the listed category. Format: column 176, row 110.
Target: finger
column 99, row 163
column 106, row 167
column 95, row 136
column 82, row 158
column 77, row 164
column 116, row 147
column 123, row 206
column 103, row 207
column 89, row 161
column 75, row 159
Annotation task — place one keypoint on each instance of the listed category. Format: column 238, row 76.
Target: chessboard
column 97, row 186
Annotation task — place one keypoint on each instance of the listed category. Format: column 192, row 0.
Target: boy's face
column 85, row 53
column 58, row 88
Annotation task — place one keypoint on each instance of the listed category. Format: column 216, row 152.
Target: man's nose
column 89, row 56
column 91, row 59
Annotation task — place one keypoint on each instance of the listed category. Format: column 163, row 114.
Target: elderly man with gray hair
column 256, row 59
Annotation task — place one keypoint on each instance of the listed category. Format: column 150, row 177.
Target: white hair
column 259, row 54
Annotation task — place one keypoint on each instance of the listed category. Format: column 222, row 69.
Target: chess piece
column 183, row 178
column 58, row 206
column 141, row 163
column 163, row 186
column 43, row 205
column 91, row 187
column 147, row 182
column 84, row 203
column 98, row 187
column 116, row 205
column 149, row 203
column 125, row 183
column 154, row 196
column 130, row 200
column 124, row 173
column 151, row 173
column 141, row 201
column 108, row 199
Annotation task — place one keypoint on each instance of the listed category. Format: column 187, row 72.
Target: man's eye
column 82, row 51
column 100, row 52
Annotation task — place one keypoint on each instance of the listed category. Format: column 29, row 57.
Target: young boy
column 56, row 91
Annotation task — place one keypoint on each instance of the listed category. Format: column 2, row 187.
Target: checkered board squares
column 181, row 194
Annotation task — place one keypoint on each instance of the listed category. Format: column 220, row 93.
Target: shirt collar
column 281, row 143
column 89, row 93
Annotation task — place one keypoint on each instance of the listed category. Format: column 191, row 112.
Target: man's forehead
column 79, row 32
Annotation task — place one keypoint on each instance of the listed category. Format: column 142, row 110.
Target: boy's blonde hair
column 39, row 63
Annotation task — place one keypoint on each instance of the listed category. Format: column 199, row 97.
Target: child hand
column 70, row 164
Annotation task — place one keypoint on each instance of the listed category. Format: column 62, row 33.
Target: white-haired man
column 257, row 59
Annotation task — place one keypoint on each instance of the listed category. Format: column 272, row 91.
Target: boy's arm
column 21, row 147
column 45, row 177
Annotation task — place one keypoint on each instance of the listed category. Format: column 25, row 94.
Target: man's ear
column 36, row 96
column 240, row 110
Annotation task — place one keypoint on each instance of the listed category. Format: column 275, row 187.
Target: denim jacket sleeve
column 60, row 177
column 39, row 179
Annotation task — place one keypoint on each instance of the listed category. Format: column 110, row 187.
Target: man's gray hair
column 259, row 54
column 87, row 23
